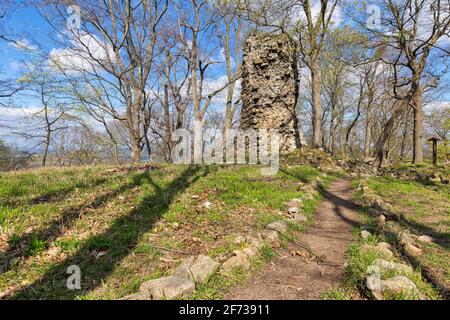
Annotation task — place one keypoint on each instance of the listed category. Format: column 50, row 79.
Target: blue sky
column 30, row 25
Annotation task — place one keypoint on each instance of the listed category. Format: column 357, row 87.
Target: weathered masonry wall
column 270, row 87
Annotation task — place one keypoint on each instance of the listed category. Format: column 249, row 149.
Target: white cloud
column 436, row 106
column 83, row 54
column 18, row 112
column 24, row 45
column 212, row 84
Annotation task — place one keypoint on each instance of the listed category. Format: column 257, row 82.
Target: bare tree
column 46, row 89
column 114, row 52
column 413, row 32
column 194, row 28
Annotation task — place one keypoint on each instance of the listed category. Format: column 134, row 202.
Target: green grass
column 425, row 210
column 359, row 260
column 124, row 227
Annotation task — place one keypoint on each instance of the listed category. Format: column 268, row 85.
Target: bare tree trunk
column 331, row 146
column 168, row 124
column 135, row 147
column 342, row 137
column 418, row 126
column 404, row 136
column 384, row 137
column 47, row 145
column 367, row 134
column 316, row 103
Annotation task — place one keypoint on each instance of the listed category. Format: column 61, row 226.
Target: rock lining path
column 289, row 277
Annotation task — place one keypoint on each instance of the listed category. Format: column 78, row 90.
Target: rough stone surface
column 382, row 250
column 239, row 260
column 365, row 234
column 256, row 243
column 293, row 210
column 207, row 205
column 399, row 284
column 309, row 189
column 413, row 250
column 381, row 221
column 389, row 265
column 171, row 287
column 271, row 237
column 135, row 296
column 250, row 251
column 406, row 238
column 239, row 239
column 425, row 238
column 295, row 203
column 270, row 86
column 197, row 269
column 278, row 225
column 299, row 217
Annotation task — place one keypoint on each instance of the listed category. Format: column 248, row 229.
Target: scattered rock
column 381, row 250
column 278, row 225
column 293, row 210
column 195, row 197
column 271, row 237
column 425, row 238
column 250, row 252
column 134, row 296
column 239, row 260
column 406, row 238
column 309, row 189
column 413, row 250
column 197, row 269
column 365, row 234
column 207, row 205
column 389, row 265
column 299, row 217
column 399, row 285
column 384, row 245
column 381, row 221
column 295, row 203
column 171, row 287
column 239, row 239
column 256, row 243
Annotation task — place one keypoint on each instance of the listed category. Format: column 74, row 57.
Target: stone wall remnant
column 270, row 87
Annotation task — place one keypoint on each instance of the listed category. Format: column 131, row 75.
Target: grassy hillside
column 124, row 226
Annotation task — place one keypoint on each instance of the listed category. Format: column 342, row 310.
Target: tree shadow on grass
column 55, row 195
column 440, row 239
column 117, row 242
column 61, row 194
column 23, row 246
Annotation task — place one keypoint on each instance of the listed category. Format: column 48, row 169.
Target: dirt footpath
column 289, row 277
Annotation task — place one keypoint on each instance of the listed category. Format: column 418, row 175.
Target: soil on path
column 289, row 277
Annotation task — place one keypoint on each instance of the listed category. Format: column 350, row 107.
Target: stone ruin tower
column 270, row 87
